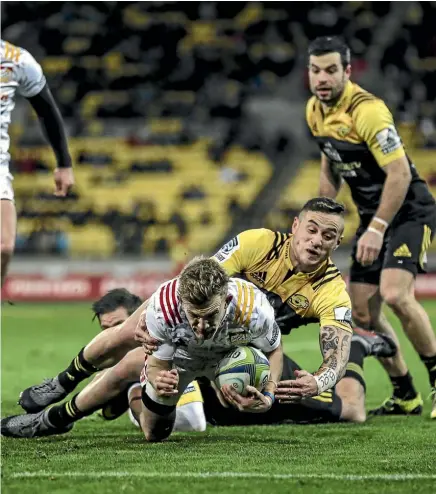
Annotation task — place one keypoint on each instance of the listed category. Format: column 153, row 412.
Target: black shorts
column 326, row 408
column 405, row 247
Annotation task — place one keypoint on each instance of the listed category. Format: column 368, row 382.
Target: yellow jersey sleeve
column 332, row 305
column 244, row 251
column 375, row 125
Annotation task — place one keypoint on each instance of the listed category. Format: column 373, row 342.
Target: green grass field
column 388, row 455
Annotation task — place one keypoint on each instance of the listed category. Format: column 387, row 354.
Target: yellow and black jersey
column 263, row 257
column 359, row 138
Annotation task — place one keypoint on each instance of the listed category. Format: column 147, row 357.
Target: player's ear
column 338, row 243
column 295, row 224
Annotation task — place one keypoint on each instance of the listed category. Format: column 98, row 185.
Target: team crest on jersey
column 343, row 131
column 299, row 301
column 6, row 74
column 226, row 250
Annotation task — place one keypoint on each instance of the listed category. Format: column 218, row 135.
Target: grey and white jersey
column 20, row 73
column 248, row 320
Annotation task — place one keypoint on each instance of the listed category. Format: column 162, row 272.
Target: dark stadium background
column 186, row 124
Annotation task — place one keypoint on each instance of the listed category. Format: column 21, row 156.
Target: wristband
column 270, row 395
column 382, row 222
column 374, row 230
column 326, row 380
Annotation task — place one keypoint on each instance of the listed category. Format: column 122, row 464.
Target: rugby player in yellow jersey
column 360, row 145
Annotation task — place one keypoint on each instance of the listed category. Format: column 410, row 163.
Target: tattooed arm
column 335, row 348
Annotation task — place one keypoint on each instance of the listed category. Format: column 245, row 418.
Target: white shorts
column 6, row 189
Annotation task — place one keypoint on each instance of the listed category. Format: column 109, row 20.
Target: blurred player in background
column 360, row 144
column 21, row 73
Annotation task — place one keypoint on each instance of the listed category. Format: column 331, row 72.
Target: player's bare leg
column 352, row 394
column 368, row 314
column 8, row 234
column 397, row 289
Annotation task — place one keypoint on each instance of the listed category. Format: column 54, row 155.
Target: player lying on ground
column 360, row 145
column 22, row 74
column 198, row 317
column 113, row 309
column 296, row 272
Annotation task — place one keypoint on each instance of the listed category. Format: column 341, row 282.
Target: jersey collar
column 343, row 100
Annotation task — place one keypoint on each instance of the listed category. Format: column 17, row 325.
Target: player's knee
column 395, row 296
column 7, row 249
column 354, row 412
column 361, row 317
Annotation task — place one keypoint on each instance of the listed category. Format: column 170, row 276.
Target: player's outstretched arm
column 53, row 126
column 335, row 347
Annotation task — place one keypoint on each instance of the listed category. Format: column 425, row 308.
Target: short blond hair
column 201, row 280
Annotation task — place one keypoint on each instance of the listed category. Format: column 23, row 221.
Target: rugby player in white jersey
column 21, row 73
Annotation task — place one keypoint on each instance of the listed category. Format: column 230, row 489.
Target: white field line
column 218, row 475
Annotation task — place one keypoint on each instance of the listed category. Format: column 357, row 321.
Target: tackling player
column 21, row 73
column 360, row 145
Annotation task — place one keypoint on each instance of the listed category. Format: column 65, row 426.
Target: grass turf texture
column 389, row 455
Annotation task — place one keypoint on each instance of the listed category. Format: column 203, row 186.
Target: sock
column 76, row 372
column 403, row 387
column 354, row 367
column 430, row 363
column 60, row 416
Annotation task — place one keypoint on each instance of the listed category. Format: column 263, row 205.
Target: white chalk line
column 219, row 475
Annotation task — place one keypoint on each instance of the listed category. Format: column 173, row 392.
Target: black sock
column 62, row 415
column 354, row 367
column 403, row 387
column 430, row 363
column 76, row 372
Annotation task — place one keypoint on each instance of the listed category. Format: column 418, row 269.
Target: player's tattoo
column 335, row 348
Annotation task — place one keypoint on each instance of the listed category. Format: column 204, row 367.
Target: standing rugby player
column 21, row 73
column 359, row 144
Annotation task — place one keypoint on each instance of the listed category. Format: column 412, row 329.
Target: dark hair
column 330, row 44
column 324, row 205
column 118, row 297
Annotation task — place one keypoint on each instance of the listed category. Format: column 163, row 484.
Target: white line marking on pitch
column 217, row 475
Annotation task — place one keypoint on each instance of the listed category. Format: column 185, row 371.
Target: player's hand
column 368, row 248
column 219, row 395
column 64, row 180
column 304, row 386
column 166, row 383
column 254, row 402
column 149, row 344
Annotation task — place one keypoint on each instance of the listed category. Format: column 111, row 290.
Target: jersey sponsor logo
column 242, row 338
column 402, row 251
column 389, row 140
column 342, row 314
column 274, row 336
column 227, row 250
column 299, row 301
column 331, row 152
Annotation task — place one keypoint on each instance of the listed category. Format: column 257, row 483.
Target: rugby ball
column 243, row 366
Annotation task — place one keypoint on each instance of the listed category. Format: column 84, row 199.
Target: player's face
column 316, row 235
column 111, row 319
column 206, row 319
column 327, row 77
